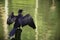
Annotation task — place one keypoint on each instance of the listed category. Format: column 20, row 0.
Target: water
column 44, row 14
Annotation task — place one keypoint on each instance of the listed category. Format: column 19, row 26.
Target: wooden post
column 13, row 39
column 18, row 34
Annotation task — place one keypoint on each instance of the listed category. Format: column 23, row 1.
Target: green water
column 47, row 19
column 28, row 7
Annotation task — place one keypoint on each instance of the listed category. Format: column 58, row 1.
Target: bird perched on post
column 19, row 21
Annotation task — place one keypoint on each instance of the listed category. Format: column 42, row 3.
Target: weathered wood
column 18, row 34
column 13, row 39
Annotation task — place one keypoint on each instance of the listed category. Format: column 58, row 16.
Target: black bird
column 20, row 20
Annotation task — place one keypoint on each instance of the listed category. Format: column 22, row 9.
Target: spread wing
column 28, row 20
